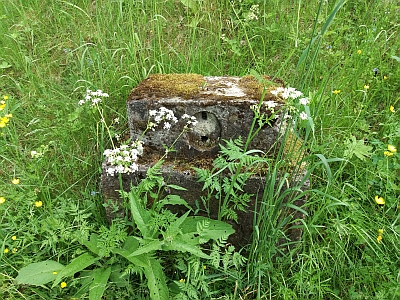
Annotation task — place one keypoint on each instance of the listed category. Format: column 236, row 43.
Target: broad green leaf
column 156, row 279
column 99, row 283
column 396, row 58
column 92, row 243
column 139, row 260
column 216, row 229
column 5, row 65
column 78, row 264
column 176, row 187
column 192, row 4
column 172, row 200
column 149, row 247
column 131, row 244
column 140, row 215
column 39, row 273
column 357, row 148
column 182, row 245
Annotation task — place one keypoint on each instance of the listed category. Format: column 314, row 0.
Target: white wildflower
column 304, row 101
column 270, row 104
column 303, row 115
column 167, row 126
column 122, row 160
column 110, row 171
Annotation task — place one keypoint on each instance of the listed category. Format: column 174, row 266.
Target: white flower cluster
column 286, row 93
column 94, row 97
column 163, row 114
column 253, row 13
column 167, row 116
column 191, row 120
column 292, row 93
column 122, row 160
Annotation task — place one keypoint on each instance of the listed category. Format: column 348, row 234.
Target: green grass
column 52, row 51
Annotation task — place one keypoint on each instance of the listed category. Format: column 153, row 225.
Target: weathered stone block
column 221, row 106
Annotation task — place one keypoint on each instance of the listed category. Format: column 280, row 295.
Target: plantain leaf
column 39, row 273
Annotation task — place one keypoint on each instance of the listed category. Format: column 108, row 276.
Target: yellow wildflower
column 14, row 237
column 5, row 97
column 366, row 87
column 391, row 108
column 388, row 153
column 6, row 250
column 54, row 273
column 15, row 181
column 336, row 92
column 380, row 231
column 385, row 77
column 379, row 239
column 3, row 121
column 38, row 203
column 359, row 51
column 379, row 200
column 63, row 284
column 2, row 200
column 2, row 105
column 14, row 250
column 182, row 280
column 392, row 148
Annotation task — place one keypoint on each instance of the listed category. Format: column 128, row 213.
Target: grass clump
column 343, row 56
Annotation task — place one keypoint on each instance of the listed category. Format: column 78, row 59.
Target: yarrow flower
column 379, row 200
column 95, row 97
column 123, row 160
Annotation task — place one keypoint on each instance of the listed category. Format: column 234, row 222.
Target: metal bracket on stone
column 221, row 106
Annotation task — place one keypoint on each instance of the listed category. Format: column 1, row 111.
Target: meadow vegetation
column 344, row 56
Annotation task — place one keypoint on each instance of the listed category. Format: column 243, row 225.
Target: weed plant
column 344, row 56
